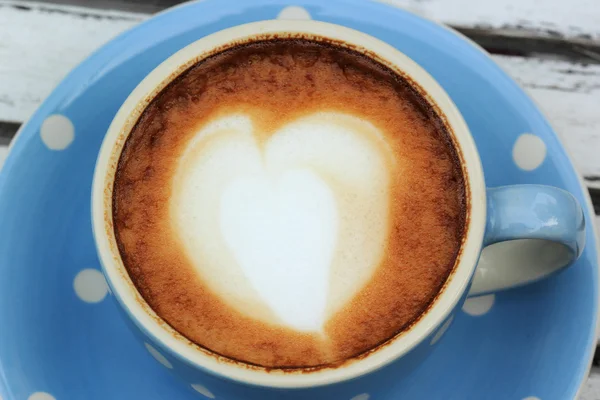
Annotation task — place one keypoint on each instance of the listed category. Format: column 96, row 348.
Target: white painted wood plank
column 3, row 154
column 39, row 47
column 572, row 19
column 569, row 96
column 591, row 389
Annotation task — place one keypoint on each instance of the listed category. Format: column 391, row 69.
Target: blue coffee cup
column 547, row 221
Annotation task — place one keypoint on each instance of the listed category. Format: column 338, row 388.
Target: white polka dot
column 438, row 335
column 531, row 398
column 364, row 396
column 203, row 391
column 294, row 12
column 41, row 396
column 480, row 305
column 529, row 151
column 57, row 132
column 90, row 285
column 159, row 357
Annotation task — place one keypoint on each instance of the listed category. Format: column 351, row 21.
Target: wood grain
column 569, row 95
column 575, row 19
column 510, row 26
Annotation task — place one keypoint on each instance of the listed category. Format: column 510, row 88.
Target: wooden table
column 552, row 48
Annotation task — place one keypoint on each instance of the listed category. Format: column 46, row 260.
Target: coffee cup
column 541, row 217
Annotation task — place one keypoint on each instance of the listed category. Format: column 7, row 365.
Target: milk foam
column 286, row 231
column 282, row 231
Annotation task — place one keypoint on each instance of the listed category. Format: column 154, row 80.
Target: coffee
column 289, row 203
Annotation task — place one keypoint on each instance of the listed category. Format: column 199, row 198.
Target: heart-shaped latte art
column 289, row 230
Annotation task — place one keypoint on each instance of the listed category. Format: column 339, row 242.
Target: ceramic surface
column 63, row 338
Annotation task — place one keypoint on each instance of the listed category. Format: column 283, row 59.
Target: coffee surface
column 289, row 203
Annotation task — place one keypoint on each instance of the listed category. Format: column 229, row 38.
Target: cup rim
column 153, row 326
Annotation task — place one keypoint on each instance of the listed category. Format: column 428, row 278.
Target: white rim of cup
column 145, row 318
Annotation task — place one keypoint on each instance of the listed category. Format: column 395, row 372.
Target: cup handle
column 553, row 224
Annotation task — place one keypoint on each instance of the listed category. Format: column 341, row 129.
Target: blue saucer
column 62, row 338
